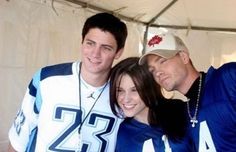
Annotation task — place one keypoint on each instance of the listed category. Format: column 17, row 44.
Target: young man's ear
column 119, row 53
column 184, row 56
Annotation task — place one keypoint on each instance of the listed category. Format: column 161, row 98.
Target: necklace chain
column 80, row 104
column 193, row 119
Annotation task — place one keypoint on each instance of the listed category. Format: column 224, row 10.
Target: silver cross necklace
column 193, row 119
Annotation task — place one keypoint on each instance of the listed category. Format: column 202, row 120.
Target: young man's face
column 169, row 73
column 99, row 49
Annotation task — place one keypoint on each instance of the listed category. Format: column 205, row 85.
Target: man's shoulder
column 228, row 66
column 225, row 66
column 226, row 73
column 61, row 69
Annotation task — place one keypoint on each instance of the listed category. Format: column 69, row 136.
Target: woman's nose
column 126, row 97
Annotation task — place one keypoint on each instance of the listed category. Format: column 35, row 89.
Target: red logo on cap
column 154, row 40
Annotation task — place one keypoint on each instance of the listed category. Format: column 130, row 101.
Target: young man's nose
column 96, row 51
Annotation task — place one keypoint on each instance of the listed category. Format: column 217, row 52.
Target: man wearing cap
column 211, row 104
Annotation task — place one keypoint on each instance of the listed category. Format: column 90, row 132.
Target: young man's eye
column 106, row 48
column 162, row 60
column 89, row 43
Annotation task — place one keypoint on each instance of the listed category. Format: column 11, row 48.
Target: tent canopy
column 213, row 15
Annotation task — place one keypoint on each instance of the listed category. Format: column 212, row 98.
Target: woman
column 148, row 126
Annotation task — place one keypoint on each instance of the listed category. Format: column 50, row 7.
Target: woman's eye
column 134, row 90
column 151, row 70
column 119, row 90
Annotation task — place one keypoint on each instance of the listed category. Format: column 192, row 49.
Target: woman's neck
column 142, row 116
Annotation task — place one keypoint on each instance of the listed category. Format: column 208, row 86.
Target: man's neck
column 188, row 82
column 94, row 79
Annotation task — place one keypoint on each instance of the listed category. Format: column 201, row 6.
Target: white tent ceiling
column 213, row 15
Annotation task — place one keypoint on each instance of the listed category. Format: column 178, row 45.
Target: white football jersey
column 51, row 114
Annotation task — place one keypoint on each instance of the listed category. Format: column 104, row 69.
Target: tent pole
column 152, row 21
column 162, row 11
column 87, row 5
column 201, row 28
column 145, row 39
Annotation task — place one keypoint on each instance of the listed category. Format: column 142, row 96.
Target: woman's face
column 129, row 100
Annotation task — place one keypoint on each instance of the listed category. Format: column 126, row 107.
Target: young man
column 212, row 96
column 66, row 106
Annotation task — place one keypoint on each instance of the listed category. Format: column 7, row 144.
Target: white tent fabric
column 200, row 14
column 33, row 34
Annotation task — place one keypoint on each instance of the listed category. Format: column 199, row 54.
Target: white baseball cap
column 165, row 45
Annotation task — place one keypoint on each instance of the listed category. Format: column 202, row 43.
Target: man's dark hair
column 107, row 22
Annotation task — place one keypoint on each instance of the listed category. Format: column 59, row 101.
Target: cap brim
column 162, row 53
